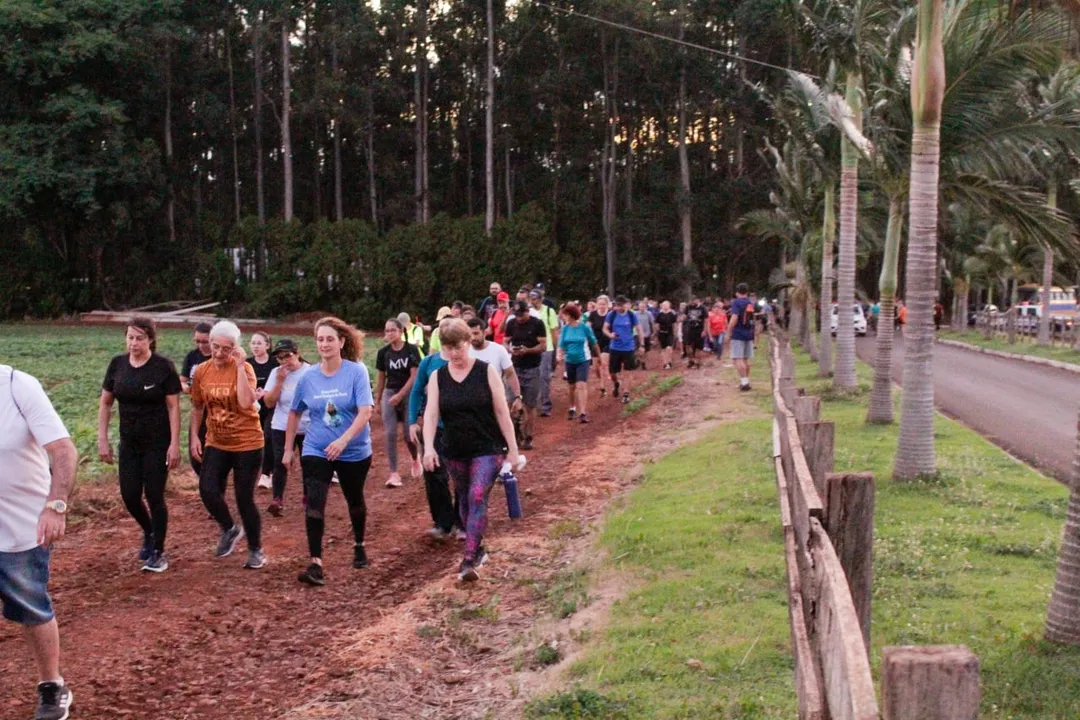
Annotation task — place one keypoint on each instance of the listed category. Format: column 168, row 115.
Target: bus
column 1062, row 302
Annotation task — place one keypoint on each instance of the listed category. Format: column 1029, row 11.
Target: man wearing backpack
column 550, row 318
column 742, row 334
column 39, row 461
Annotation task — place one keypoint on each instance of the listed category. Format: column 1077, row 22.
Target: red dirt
column 208, row 639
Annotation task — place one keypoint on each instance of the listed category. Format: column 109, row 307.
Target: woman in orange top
column 223, row 389
column 716, row 327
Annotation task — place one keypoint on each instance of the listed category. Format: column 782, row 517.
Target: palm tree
column 1063, row 614
column 975, row 136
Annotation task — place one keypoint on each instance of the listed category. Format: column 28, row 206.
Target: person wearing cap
column 280, row 390
column 550, row 318
column 497, row 323
column 414, row 334
column 526, row 339
column 487, row 307
column 623, row 329
column 434, row 343
column 396, row 363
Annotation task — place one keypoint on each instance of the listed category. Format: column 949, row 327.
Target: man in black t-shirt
column 694, row 330
column 666, row 320
column 196, row 357
column 526, row 340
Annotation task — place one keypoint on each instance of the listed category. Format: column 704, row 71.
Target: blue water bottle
column 510, row 486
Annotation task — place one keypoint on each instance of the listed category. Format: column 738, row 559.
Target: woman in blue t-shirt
column 336, row 393
column 576, row 336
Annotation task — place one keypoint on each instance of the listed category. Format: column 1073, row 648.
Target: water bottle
column 510, row 486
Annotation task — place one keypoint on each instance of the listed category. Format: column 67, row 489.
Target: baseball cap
column 444, row 312
column 502, row 296
column 535, row 294
column 285, row 345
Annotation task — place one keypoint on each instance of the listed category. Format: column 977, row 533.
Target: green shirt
column 550, row 318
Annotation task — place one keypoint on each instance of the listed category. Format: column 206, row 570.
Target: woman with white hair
column 223, row 390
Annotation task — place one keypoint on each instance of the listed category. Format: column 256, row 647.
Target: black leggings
column 196, row 465
column 442, row 504
column 318, row 473
column 245, row 466
column 281, row 473
column 265, row 416
column 143, row 470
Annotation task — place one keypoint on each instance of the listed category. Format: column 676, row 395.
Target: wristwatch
column 57, row 506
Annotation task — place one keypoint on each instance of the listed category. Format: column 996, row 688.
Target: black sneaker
column 54, row 700
column 745, row 388
column 626, row 398
column 481, row 557
column 157, row 563
column 571, row 414
column 313, row 575
column 147, row 548
column 228, row 541
column 360, row 560
column 256, row 560
column 583, row 419
column 467, row 572
column 527, row 445
column 603, row 392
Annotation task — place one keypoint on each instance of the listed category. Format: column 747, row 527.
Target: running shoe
column 626, row 398
column 571, row 414
column 228, row 541
column 417, row 468
column 256, row 559
column 603, row 392
column 265, row 482
column 467, row 572
column 584, row 419
column 334, row 479
column 481, row 557
column 436, row 533
column 147, row 548
column 744, row 388
column 460, row 534
column 360, row 560
column 667, row 366
column 54, row 700
column 394, row 481
column 313, row 575
column 527, row 445
column 157, row 563
column 276, row 507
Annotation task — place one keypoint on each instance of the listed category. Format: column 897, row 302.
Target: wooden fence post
column 807, row 409
column 930, row 682
column 849, row 508
column 818, row 441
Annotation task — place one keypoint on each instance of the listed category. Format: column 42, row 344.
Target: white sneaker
column 335, row 480
column 436, row 533
column 266, row 482
column 394, row 481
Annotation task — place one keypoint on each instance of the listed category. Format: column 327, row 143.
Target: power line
column 658, row 36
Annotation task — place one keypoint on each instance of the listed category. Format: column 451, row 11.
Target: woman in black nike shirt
column 148, row 389
column 597, row 318
column 263, row 363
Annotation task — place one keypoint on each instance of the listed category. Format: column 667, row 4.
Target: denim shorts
column 24, row 587
column 578, row 372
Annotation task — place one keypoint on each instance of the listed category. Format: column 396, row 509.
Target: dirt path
column 210, row 640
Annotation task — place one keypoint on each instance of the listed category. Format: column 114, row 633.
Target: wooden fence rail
column 828, row 522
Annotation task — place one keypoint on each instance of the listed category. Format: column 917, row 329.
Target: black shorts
column 621, row 360
column 604, row 342
column 666, row 340
column 692, row 337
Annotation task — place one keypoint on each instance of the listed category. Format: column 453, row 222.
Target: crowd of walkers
column 466, row 393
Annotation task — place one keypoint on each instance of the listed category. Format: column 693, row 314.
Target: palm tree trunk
column 915, row 450
column 881, row 403
column 489, row 167
column 828, row 240
column 1047, row 275
column 849, row 215
column 286, row 120
column 1063, row 615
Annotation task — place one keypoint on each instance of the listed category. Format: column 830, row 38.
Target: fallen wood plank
column 808, row 680
column 189, row 310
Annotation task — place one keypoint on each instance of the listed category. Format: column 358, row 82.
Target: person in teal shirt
column 575, row 341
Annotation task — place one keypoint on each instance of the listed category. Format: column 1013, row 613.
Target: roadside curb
column 1034, row 360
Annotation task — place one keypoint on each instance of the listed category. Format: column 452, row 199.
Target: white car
column 857, row 314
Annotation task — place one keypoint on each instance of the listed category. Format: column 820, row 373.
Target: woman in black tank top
column 597, row 318
column 478, row 435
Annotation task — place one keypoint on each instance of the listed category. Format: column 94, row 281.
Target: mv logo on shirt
column 399, row 363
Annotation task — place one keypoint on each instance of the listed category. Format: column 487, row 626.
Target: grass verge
column 1022, row 346
column 967, row 557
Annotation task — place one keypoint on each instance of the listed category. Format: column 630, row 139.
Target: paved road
column 1029, row 410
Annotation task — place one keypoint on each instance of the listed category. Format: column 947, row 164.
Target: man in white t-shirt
column 497, row 356
column 38, row 461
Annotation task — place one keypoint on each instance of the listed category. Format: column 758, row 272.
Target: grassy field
column 966, row 558
column 1063, row 353
column 70, row 362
